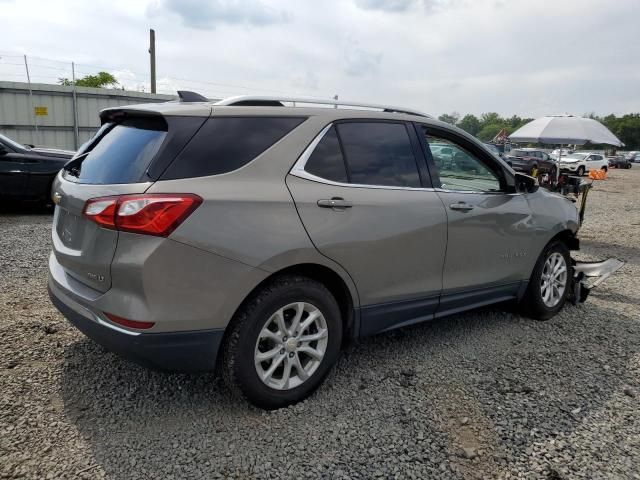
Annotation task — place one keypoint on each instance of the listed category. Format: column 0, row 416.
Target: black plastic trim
column 179, row 351
column 387, row 316
column 459, row 301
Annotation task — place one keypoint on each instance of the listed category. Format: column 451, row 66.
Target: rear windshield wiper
column 74, row 166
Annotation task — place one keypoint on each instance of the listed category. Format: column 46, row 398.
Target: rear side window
column 327, row 161
column 379, row 153
column 123, row 153
column 224, row 144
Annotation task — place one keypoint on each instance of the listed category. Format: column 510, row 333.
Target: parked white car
column 582, row 162
column 556, row 152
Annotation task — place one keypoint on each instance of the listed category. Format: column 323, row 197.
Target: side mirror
column 525, row 183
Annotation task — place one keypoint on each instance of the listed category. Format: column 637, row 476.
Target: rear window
column 224, row 144
column 120, row 153
column 379, row 153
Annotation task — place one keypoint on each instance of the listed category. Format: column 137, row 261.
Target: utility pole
column 152, row 54
column 75, row 106
column 35, row 118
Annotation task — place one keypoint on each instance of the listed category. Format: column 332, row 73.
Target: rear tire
column 549, row 283
column 604, row 168
column 265, row 328
column 580, row 171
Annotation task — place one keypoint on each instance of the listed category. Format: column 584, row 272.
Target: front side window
column 461, row 170
column 379, row 153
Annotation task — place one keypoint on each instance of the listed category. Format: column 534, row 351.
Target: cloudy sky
column 522, row 57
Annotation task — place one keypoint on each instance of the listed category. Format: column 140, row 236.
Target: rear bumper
column 178, row 351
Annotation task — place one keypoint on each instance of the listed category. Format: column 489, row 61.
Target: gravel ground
column 486, row 394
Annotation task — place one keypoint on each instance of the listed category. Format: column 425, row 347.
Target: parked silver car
column 261, row 236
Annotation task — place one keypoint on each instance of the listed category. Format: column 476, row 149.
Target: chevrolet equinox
column 260, row 234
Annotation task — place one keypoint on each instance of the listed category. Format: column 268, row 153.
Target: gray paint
column 393, row 245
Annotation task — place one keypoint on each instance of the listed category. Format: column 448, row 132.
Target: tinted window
column 379, row 153
column 461, row 170
column 124, row 152
column 224, row 144
column 326, row 161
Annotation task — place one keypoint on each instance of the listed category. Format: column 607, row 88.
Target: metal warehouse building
column 52, row 116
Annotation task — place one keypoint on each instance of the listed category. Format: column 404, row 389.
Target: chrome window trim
column 298, row 171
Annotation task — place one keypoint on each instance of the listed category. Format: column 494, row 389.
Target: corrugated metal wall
column 56, row 128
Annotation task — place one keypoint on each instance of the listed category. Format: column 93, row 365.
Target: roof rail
column 259, row 100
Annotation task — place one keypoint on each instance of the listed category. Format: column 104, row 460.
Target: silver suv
column 259, row 234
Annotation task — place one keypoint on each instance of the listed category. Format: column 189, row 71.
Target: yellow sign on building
column 40, row 111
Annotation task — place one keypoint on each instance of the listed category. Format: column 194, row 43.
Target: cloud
column 385, row 5
column 207, row 14
column 398, row 6
column 359, row 63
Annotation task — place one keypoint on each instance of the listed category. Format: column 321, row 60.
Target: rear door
column 364, row 196
column 114, row 163
column 489, row 230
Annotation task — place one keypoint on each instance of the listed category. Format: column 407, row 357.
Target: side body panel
column 488, row 245
column 392, row 241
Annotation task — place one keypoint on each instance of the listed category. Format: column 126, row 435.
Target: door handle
column 336, row 203
column 462, row 206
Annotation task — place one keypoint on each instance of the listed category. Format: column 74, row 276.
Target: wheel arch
column 568, row 237
column 347, row 299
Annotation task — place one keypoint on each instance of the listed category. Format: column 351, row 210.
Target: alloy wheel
column 554, row 279
column 291, row 346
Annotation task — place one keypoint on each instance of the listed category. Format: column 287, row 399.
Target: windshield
column 576, row 156
column 520, row 153
column 11, row 143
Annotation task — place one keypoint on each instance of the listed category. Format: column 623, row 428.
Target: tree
column 489, row 119
column 451, row 118
column 100, row 80
column 489, row 131
column 470, row 124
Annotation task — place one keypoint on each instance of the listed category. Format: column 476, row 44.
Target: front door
column 366, row 202
column 489, row 230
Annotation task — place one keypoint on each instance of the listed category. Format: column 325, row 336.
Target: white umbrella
column 564, row 129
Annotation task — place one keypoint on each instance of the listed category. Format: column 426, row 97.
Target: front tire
column 580, row 171
column 549, row 283
column 282, row 342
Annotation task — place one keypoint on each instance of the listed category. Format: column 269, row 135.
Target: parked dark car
column 26, row 173
column 530, row 161
column 619, row 161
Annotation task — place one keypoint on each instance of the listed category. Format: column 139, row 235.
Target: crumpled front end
column 589, row 275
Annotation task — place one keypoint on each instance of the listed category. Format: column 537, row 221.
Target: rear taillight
column 129, row 323
column 156, row 214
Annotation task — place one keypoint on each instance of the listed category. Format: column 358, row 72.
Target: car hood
column 569, row 160
column 53, row 152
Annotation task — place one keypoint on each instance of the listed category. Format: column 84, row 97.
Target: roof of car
column 271, row 106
